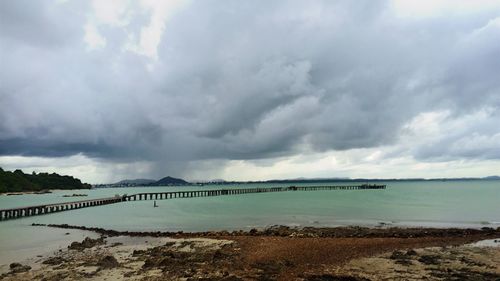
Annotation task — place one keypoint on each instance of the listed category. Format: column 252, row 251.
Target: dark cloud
column 40, row 25
column 241, row 80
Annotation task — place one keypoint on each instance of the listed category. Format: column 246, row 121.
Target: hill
column 492, row 178
column 170, row 181
column 135, row 182
column 18, row 181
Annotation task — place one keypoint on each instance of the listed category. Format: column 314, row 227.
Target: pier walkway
column 13, row 213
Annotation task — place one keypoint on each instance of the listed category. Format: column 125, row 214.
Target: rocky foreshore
column 276, row 253
column 75, row 195
column 311, row 232
column 45, row 191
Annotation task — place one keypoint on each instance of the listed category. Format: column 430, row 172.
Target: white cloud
column 92, row 37
column 150, row 36
column 111, row 12
column 436, row 8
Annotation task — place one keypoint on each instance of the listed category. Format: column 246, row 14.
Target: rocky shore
column 276, row 253
column 75, row 195
column 45, row 191
column 312, row 232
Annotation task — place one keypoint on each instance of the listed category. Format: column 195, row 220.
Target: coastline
column 41, row 192
column 307, row 231
column 26, row 192
column 276, row 253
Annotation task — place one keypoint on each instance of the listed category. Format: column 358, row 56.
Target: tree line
column 18, row 181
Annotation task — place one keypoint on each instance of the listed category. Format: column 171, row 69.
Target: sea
column 463, row 204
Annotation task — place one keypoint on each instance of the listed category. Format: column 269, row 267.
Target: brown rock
column 108, row 262
column 86, row 243
column 329, row 277
column 54, row 261
column 17, row 267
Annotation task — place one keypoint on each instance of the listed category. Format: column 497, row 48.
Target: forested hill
column 18, row 181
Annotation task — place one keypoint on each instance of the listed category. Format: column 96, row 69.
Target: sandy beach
column 277, row 253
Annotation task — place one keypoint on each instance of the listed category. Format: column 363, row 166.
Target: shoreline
column 276, row 253
column 311, row 232
column 40, row 192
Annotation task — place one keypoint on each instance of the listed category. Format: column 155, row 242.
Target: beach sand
column 286, row 254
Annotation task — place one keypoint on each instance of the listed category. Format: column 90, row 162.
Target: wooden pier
column 20, row 212
column 6, row 214
column 220, row 192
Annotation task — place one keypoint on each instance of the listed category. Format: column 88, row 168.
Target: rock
column 403, row 258
column 108, row 262
column 54, row 261
column 396, row 255
column 411, row 253
column 137, row 253
column 429, row 259
column 56, row 277
column 465, row 273
column 116, row 244
column 74, row 195
column 14, row 265
column 86, row 243
column 44, row 191
column 17, row 267
column 226, row 252
column 170, row 244
column 329, row 277
column 224, row 278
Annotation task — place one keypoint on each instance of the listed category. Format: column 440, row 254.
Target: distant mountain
column 145, row 182
column 170, row 181
column 18, row 181
column 166, row 181
column 217, row 180
column 492, row 178
column 355, row 180
column 302, row 179
column 135, row 182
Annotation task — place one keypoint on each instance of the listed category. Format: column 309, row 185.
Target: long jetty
column 14, row 213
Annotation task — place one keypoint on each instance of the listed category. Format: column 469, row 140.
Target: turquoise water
column 439, row 204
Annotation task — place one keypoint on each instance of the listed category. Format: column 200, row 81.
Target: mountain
column 217, row 181
column 353, row 180
column 135, row 182
column 170, row 181
column 492, row 178
column 145, row 182
column 18, row 181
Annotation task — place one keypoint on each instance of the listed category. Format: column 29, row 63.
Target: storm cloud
column 184, row 81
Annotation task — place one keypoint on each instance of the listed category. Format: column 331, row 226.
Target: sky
column 107, row 90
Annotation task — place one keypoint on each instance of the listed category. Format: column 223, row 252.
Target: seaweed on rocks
column 320, row 232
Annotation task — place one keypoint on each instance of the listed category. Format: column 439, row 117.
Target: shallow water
column 436, row 204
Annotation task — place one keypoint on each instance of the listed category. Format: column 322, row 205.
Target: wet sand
column 301, row 254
